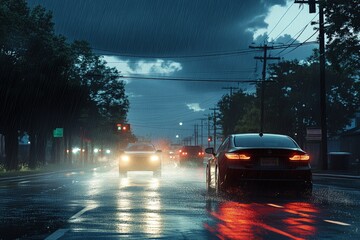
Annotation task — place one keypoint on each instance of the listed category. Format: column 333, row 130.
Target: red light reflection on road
column 234, row 220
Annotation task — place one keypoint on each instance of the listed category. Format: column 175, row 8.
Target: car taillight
column 235, row 156
column 201, row 153
column 183, row 153
column 300, row 157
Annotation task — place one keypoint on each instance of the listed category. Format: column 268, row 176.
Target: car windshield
column 266, row 141
column 140, row 147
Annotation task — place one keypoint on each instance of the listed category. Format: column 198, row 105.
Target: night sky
column 162, row 41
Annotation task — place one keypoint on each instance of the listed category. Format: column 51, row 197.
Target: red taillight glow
column 183, row 153
column 201, row 153
column 235, row 156
column 298, row 157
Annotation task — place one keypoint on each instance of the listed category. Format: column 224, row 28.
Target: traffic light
column 312, row 6
column 209, row 138
column 126, row 127
column 122, row 127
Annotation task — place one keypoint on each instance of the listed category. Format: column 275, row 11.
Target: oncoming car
column 140, row 157
column 265, row 159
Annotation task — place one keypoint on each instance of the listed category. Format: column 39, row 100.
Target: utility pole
column 231, row 89
column 323, row 115
column 194, row 134
column 208, row 127
column 202, row 132
column 215, row 117
column 264, row 58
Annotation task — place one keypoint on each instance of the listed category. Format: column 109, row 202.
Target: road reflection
column 261, row 220
column 139, row 206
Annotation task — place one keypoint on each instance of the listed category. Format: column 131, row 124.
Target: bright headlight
column 154, row 158
column 125, row 158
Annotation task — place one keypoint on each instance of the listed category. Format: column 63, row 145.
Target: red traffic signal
column 126, row 127
column 210, row 139
column 122, row 127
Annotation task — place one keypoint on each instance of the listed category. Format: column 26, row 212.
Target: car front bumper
column 139, row 166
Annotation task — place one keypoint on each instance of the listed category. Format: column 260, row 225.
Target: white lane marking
column 23, row 182
column 337, row 222
column 274, row 205
column 58, row 234
column 82, row 212
column 61, row 232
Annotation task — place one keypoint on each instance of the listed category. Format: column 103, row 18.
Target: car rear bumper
column 293, row 176
column 192, row 159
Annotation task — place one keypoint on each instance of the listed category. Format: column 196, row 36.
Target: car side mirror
column 210, row 151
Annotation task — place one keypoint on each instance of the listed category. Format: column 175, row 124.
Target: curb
column 32, row 175
column 336, row 175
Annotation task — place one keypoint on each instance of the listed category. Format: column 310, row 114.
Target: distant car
column 272, row 159
column 140, row 157
column 172, row 155
column 191, row 154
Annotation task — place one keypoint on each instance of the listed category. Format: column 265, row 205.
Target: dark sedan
column 259, row 159
column 140, row 157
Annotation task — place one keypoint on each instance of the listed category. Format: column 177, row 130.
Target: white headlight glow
column 125, row 158
column 154, row 158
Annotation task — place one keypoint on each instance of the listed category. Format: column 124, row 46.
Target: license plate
column 269, row 162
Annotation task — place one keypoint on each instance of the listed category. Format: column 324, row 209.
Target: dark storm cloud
column 162, row 27
column 158, row 26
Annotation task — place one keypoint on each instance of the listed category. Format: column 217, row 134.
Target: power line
column 279, row 21
column 192, row 79
column 288, row 25
column 210, row 54
column 298, row 34
column 300, row 45
column 214, row 54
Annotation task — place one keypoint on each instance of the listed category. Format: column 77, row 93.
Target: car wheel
column 221, row 185
column 209, row 189
column 218, row 188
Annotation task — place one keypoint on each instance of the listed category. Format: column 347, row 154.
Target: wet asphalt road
column 98, row 204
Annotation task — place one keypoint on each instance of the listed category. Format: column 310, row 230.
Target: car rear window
column 192, row 149
column 264, row 141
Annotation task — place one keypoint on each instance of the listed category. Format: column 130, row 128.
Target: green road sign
column 58, row 132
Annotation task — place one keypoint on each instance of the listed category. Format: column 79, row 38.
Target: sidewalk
column 46, row 170
column 350, row 174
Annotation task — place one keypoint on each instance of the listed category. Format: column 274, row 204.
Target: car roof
column 192, row 147
column 260, row 134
